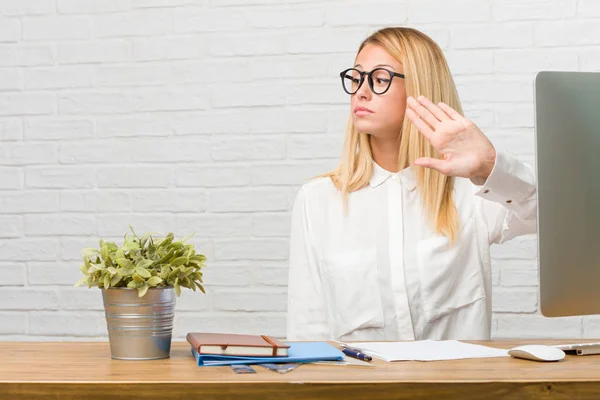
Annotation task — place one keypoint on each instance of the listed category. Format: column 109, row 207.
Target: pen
column 356, row 354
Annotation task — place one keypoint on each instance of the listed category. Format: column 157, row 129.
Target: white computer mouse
column 537, row 352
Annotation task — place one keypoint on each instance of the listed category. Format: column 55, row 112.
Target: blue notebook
column 300, row 352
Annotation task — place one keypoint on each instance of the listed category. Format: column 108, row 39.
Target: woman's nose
column 364, row 92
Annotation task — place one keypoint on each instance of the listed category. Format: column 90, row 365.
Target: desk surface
column 75, row 370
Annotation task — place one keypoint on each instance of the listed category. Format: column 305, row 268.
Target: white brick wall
column 206, row 116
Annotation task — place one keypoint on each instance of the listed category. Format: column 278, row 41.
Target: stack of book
column 217, row 349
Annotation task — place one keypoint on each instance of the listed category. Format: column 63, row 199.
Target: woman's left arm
column 507, row 200
column 506, row 186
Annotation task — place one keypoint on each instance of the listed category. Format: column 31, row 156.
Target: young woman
column 394, row 243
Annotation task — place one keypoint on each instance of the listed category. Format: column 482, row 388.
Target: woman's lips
column 362, row 111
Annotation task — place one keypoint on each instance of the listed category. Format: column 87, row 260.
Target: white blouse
column 381, row 273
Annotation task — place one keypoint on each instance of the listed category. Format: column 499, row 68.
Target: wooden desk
column 86, row 371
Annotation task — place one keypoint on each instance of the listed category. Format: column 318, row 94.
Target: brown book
column 237, row 345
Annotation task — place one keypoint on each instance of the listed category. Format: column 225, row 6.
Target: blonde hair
column 427, row 74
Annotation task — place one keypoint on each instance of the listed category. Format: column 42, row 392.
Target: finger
column 421, row 125
column 450, row 111
column 435, row 110
column 423, row 112
column 433, row 163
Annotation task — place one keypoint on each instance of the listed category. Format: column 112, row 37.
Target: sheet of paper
column 427, row 350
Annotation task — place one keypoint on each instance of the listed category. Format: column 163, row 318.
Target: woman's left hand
column 466, row 152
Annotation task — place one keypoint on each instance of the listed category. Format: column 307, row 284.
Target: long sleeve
column 507, row 200
column 306, row 315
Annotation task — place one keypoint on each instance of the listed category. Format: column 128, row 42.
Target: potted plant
column 140, row 281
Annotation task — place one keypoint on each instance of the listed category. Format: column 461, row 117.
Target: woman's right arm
column 306, row 315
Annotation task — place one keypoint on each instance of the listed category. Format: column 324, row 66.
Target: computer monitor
column 567, row 138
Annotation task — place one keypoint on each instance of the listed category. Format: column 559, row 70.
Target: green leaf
column 197, row 263
column 197, row 276
column 179, row 261
column 130, row 245
column 143, row 272
column 153, row 281
column 167, row 240
column 132, row 231
column 125, row 272
column 142, row 290
column 112, row 270
column 174, row 273
column 145, row 263
column 164, row 271
column 82, row 281
column 114, row 280
column 106, row 281
column 135, row 284
column 125, row 263
column 188, row 237
column 167, row 257
column 105, row 252
column 89, row 252
column 198, row 257
column 177, row 289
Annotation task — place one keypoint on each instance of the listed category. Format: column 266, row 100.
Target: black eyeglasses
column 380, row 79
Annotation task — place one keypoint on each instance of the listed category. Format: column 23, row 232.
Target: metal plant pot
column 139, row 328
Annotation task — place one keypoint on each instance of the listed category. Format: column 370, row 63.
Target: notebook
column 299, row 352
column 237, row 345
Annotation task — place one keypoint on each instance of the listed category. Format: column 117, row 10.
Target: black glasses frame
column 369, row 79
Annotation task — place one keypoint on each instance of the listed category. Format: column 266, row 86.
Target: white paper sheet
column 426, row 350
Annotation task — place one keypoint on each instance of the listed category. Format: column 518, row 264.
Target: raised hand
column 465, row 150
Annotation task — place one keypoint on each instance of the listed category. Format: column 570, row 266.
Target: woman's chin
column 364, row 126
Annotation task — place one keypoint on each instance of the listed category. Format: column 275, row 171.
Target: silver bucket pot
column 139, row 328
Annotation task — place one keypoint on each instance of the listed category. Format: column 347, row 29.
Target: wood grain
column 86, row 371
